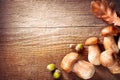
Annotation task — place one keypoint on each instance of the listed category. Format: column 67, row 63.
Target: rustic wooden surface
column 34, row 33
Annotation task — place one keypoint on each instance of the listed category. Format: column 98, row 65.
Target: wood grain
column 34, row 33
column 48, row 13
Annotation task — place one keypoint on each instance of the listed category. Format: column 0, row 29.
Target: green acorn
column 57, row 74
column 79, row 47
column 51, row 67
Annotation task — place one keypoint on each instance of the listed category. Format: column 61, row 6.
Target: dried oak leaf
column 106, row 11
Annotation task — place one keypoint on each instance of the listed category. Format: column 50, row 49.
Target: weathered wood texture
column 34, row 33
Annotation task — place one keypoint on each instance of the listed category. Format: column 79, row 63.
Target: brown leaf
column 106, row 11
column 96, row 8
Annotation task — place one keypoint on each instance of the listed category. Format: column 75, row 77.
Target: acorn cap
column 109, row 31
column 91, row 41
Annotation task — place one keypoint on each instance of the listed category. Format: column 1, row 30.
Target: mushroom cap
column 91, row 41
column 68, row 61
column 109, row 31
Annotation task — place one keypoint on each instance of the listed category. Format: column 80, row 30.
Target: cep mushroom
column 108, row 41
column 109, row 60
column 84, row 69
column 93, row 50
column 81, row 68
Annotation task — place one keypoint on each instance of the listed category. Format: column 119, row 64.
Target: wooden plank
column 56, row 13
column 34, row 33
column 29, row 40
column 25, row 52
column 46, row 36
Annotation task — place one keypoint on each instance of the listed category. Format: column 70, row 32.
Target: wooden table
column 34, row 33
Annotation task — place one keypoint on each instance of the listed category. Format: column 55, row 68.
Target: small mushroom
column 109, row 60
column 68, row 61
column 108, row 41
column 93, row 50
column 84, row 69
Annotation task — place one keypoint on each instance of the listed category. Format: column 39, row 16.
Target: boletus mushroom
column 93, row 50
column 108, row 41
column 108, row 59
column 80, row 67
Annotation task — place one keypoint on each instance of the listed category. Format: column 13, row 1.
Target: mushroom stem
column 119, row 42
column 83, row 69
column 94, row 54
column 109, row 43
column 93, row 50
column 115, row 69
column 109, row 60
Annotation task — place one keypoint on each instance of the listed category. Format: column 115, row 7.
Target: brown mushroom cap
column 109, row 31
column 68, row 61
column 91, row 41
